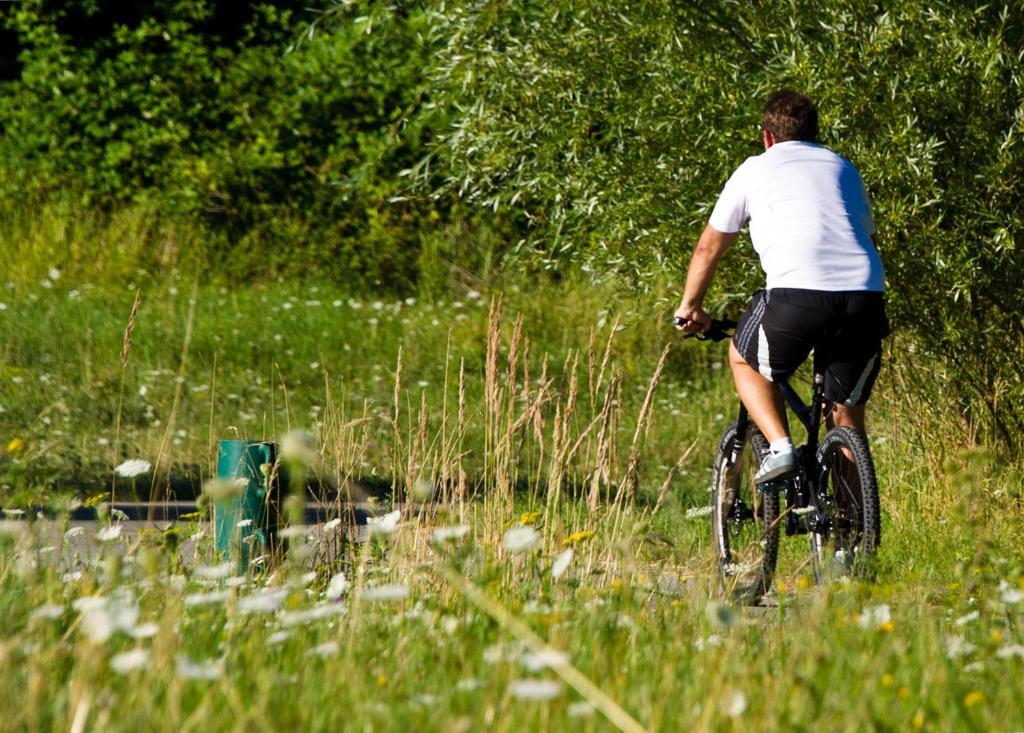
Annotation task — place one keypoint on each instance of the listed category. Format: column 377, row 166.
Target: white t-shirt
column 809, row 218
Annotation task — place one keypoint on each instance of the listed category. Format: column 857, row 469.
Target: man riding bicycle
column 811, row 225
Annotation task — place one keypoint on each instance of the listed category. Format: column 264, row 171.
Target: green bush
column 287, row 144
column 613, row 127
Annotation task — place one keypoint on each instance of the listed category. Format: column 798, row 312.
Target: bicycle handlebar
column 719, row 330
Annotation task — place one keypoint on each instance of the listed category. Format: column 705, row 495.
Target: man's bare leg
column 762, row 399
column 851, row 416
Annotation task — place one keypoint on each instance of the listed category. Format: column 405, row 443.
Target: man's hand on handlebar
column 692, row 319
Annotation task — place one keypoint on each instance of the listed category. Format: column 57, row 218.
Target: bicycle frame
column 804, row 485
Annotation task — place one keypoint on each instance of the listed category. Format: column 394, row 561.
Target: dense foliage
column 287, row 144
column 585, row 134
column 614, row 126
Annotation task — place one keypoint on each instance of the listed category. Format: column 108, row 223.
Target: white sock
column 781, row 445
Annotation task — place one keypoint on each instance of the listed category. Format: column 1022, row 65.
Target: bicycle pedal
column 774, row 486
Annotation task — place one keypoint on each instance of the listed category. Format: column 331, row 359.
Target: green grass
column 637, row 612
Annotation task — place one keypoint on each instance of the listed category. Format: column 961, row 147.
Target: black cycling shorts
column 845, row 329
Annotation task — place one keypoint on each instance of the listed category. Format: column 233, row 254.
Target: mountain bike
column 832, row 498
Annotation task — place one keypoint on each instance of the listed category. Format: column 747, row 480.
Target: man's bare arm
column 709, row 250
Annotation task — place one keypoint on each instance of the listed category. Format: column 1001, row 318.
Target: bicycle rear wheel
column 744, row 522
column 846, row 528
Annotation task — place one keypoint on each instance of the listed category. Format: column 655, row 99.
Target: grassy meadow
column 560, row 577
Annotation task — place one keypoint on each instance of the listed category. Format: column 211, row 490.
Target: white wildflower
column 267, row 601
column 295, row 532
column 1010, row 594
column 734, row 703
column 331, row 525
column 536, row 661
column 385, row 593
column 298, row 618
column 242, row 523
column 580, row 709
column 101, row 617
column 874, row 616
column 972, row 616
column 710, row 642
column 522, row 539
column 213, row 572
column 338, row 586
column 278, row 637
column 109, row 533
column 14, row 513
column 974, row 667
column 1008, row 651
column 144, row 631
column 206, row 599
column 700, row 511
column 74, row 532
column 327, row 649
column 535, row 689
column 50, row 611
column 192, row 670
column 957, row 646
column 468, row 685
column 385, row 524
column 130, row 661
column 132, row 468
column 561, row 563
column 443, row 534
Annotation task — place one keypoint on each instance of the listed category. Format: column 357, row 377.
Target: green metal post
column 243, row 459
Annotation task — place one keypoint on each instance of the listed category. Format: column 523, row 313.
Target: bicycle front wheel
column 846, row 529
column 744, row 522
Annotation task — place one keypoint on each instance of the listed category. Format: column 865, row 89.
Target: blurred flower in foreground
column 561, row 563
column 129, row 661
column 338, row 586
column 101, row 617
column 874, row 617
column 15, row 446
column 224, row 489
column 385, row 524
column 734, row 703
column 442, row 534
column 385, row 593
column 535, row 689
column 192, row 670
column 522, row 539
column 108, row 534
column 299, row 446
column 132, row 468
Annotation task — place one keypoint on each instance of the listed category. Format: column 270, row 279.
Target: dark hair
column 789, row 115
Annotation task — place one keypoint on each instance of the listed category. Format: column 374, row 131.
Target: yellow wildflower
column 887, row 679
column 382, row 680
column 528, row 518
column 904, row 693
column 803, row 583
column 973, row 697
column 577, row 537
column 997, row 636
column 15, row 445
column 918, row 720
column 887, row 626
column 95, row 500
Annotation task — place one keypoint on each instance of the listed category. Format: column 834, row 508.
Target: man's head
column 789, row 115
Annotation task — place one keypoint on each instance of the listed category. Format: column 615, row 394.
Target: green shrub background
column 398, row 147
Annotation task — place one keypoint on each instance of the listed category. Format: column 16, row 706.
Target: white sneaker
column 776, row 466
